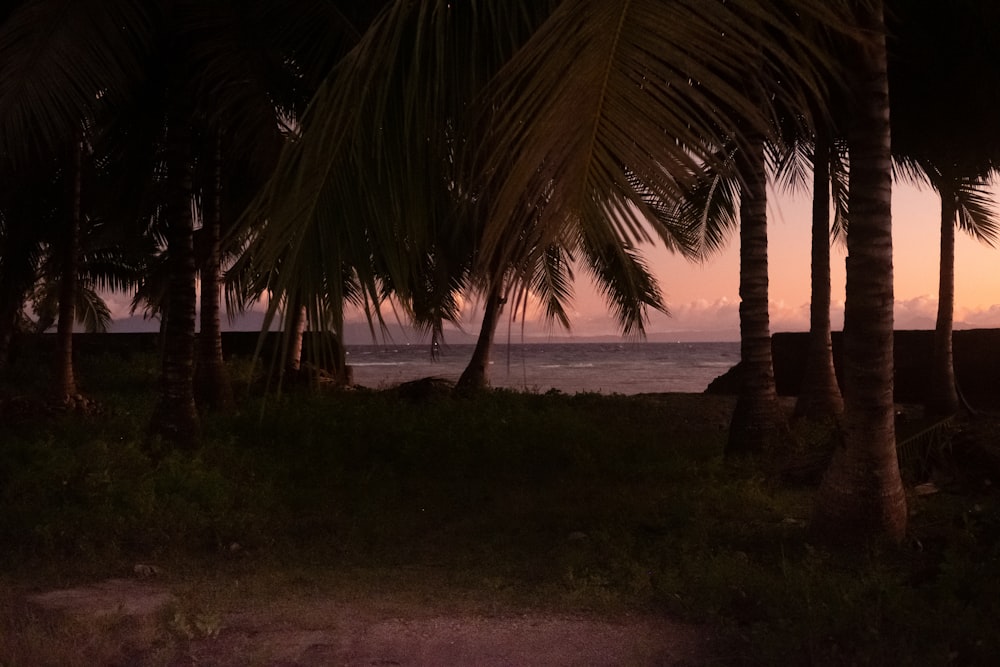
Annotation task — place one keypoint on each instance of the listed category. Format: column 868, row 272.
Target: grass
column 586, row 502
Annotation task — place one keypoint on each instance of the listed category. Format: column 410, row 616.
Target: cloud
column 980, row 317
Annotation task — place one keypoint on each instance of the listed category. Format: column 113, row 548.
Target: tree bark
column 861, row 495
column 13, row 289
column 819, row 397
column 175, row 417
column 758, row 422
column 297, row 329
column 475, row 377
column 942, row 393
column 212, row 384
column 65, row 387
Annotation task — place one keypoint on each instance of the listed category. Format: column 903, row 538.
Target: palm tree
column 212, row 386
column 862, row 494
column 217, row 68
column 643, row 140
column 968, row 204
column 758, row 420
column 21, row 251
column 66, row 381
column 720, row 201
column 175, row 416
column 425, row 242
column 819, row 396
column 620, row 273
column 944, row 132
column 819, row 159
column 584, row 122
column 76, row 265
column 78, row 51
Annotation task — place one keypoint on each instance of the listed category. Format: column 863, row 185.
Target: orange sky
column 706, row 298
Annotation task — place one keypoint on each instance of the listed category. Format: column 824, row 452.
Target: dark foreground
column 605, row 510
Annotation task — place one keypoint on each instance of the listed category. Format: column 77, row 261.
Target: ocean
column 607, row 368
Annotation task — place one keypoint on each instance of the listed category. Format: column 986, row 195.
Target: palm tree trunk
column 211, row 381
column 297, row 327
column 758, row 421
column 9, row 308
column 20, row 249
column 175, row 417
column 475, row 377
column 65, row 388
column 14, row 283
column 942, row 396
column 293, row 343
column 819, row 397
column 862, row 495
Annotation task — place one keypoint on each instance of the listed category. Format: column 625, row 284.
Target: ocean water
column 607, row 368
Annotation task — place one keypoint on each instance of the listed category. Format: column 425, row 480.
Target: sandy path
column 349, row 636
column 321, row 630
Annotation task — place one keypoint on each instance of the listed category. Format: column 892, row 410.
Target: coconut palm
column 218, row 69
column 945, row 132
column 619, row 272
column 24, row 213
column 606, row 102
column 84, row 62
column 862, row 494
column 546, row 184
column 968, row 204
column 212, row 386
column 723, row 200
column 420, row 247
column 820, row 162
column 76, row 268
column 758, row 420
column 819, row 395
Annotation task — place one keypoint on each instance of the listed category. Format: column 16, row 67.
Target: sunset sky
column 704, row 299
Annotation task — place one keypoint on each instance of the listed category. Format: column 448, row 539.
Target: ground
column 156, row 624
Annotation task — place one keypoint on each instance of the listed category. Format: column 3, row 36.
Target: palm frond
column 61, row 59
column 552, row 284
column 92, row 311
column 791, row 166
column 626, row 283
column 709, row 208
column 608, row 94
column 977, row 210
column 840, row 191
column 917, row 172
column 376, row 175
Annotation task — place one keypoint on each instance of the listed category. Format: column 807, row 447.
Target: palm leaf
column 977, row 210
column 709, row 208
column 552, row 284
column 840, row 191
column 792, row 166
column 626, row 283
column 60, row 60
column 626, row 98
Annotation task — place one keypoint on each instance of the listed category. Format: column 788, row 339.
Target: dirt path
column 352, row 636
column 323, row 629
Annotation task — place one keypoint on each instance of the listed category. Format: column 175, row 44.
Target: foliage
column 584, row 501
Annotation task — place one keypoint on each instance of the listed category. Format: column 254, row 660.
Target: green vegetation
column 562, row 502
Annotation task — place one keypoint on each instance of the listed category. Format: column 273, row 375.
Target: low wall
column 976, row 353
column 234, row 343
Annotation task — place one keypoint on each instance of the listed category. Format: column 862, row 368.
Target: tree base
column 758, row 426
column 860, row 500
